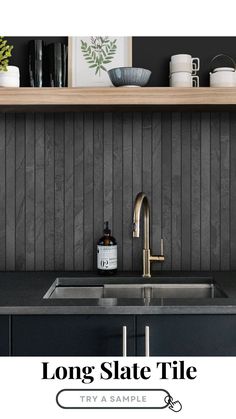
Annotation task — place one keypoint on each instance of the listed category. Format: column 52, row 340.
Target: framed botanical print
column 89, row 59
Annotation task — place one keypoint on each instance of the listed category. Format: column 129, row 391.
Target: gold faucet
column 141, row 200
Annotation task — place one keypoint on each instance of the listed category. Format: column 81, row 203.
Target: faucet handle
column 162, row 247
column 161, row 257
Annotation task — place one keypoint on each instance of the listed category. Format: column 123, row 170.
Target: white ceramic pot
column 11, row 77
column 223, row 77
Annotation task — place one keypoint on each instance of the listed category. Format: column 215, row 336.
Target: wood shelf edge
column 111, row 96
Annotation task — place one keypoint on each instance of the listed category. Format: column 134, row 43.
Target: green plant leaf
column 5, row 53
column 100, row 52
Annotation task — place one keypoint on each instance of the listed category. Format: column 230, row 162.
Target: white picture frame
column 86, row 69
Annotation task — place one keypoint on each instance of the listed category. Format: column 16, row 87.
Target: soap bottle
column 107, row 253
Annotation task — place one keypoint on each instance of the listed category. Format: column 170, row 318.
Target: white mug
column 185, row 63
column 182, row 79
column 223, row 77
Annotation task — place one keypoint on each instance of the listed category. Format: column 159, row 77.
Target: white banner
column 158, row 387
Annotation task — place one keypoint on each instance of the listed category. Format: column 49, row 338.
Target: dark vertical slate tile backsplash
column 63, row 174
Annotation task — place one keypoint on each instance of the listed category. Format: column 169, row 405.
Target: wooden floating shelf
column 111, row 96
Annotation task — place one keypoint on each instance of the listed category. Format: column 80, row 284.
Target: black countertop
column 23, row 292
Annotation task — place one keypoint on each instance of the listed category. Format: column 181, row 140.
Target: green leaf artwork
column 5, row 53
column 99, row 52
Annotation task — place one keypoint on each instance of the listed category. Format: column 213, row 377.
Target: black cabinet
column 71, row 335
column 187, row 335
column 102, row 335
column 4, row 335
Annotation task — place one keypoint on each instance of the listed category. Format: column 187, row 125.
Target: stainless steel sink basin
column 161, row 291
column 69, row 288
column 77, row 292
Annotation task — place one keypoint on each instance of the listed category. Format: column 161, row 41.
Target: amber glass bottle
column 107, row 253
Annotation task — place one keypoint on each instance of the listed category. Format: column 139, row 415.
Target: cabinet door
column 71, row 335
column 188, row 335
column 4, row 335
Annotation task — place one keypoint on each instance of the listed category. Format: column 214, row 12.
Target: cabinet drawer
column 71, row 335
column 188, row 335
column 4, row 335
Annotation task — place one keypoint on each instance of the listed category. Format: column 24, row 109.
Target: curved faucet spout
column 142, row 201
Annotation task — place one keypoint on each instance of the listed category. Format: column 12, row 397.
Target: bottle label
column 107, row 257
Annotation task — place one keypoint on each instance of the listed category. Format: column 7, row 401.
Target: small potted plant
column 9, row 74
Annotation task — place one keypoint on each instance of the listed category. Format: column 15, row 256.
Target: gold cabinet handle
column 124, row 341
column 147, row 341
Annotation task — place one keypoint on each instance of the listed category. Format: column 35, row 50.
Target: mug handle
column 195, row 81
column 194, row 69
column 197, row 68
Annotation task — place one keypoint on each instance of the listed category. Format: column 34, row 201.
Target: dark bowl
column 129, row 76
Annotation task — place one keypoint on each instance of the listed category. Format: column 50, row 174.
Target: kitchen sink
column 69, row 288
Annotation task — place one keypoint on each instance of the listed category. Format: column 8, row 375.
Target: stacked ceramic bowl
column 183, row 71
column 129, row 76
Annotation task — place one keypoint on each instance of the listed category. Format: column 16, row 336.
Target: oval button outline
column 114, row 389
